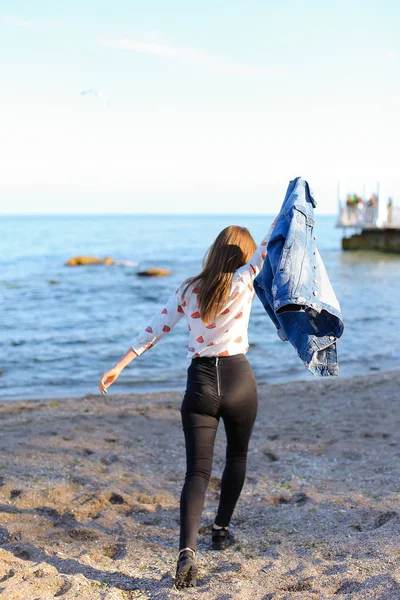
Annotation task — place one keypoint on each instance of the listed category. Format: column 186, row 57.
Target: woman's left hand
column 108, row 379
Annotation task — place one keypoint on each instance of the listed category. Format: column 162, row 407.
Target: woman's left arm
column 161, row 324
column 111, row 376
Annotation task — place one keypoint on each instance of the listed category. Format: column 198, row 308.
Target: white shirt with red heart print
column 227, row 334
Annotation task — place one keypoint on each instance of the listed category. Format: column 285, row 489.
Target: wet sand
column 89, row 497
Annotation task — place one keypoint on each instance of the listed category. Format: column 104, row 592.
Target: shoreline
column 89, row 496
column 308, row 379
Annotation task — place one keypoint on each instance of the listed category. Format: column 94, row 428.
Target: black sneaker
column 186, row 570
column 221, row 539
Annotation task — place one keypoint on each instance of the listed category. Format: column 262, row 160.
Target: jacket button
column 315, row 237
column 315, row 293
column 315, row 281
column 314, row 267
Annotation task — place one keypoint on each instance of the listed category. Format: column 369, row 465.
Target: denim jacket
column 294, row 287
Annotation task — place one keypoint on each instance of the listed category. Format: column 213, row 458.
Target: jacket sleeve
column 161, row 324
column 279, row 243
column 252, row 268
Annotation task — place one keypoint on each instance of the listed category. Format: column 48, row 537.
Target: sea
column 62, row 327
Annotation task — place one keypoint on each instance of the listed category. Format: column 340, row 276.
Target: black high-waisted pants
column 216, row 387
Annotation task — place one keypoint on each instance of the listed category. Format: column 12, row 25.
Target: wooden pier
column 374, row 225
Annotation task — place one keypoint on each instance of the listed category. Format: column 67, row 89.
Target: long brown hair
column 232, row 248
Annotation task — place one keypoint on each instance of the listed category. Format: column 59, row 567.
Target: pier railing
column 366, row 216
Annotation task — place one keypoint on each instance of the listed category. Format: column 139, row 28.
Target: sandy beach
column 89, row 497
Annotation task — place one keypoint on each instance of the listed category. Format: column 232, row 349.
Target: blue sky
column 204, row 106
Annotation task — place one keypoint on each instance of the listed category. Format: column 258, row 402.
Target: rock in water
column 89, row 260
column 154, row 272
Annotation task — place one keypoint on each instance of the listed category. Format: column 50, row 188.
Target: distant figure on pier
column 389, row 211
column 355, row 207
column 353, row 200
column 371, row 209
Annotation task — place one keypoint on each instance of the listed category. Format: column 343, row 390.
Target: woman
column 220, row 383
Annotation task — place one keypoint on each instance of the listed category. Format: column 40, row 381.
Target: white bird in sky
column 96, row 93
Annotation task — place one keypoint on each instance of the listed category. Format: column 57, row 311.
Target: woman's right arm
column 252, row 268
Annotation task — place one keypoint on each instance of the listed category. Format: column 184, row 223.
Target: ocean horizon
column 64, row 326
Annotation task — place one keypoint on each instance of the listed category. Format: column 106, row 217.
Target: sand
column 89, row 497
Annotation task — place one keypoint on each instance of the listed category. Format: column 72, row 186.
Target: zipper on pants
column 218, row 382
